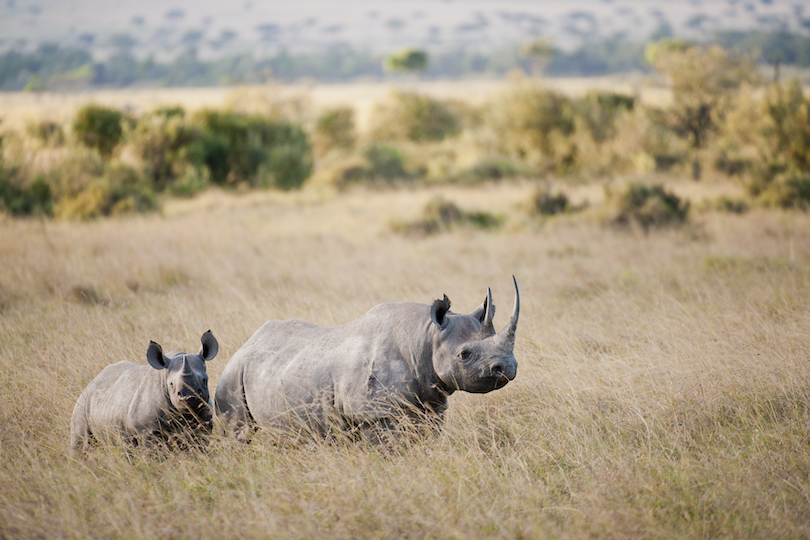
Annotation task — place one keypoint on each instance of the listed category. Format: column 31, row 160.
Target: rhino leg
column 233, row 415
column 79, row 429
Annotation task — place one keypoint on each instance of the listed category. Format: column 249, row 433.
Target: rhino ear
column 438, row 311
column 210, row 346
column 481, row 311
column 155, row 356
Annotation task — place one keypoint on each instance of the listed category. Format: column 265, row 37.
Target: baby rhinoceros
column 137, row 403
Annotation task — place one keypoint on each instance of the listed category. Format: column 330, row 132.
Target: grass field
column 662, row 388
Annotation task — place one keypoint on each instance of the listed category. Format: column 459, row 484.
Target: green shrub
column 732, row 206
column 289, row 157
column 168, row 145
column 99, row 127
column 496, row 168
column 385, row 162
column 406, row 60
column 192, row 181
column 781, row 139
column 546, row 203
column 240, row 148
column 47, row 131
column 414, row 117
column 21, row 200
column 731, row 163
column 440, row 214
column 599, row 111
column 121, row 190
column 335, row 129
column 648, row 206
column 130, row 191
column 171, row 111
column 530, row 123
column 787, row 191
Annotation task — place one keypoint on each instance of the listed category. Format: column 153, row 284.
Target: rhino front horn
column 506, row 337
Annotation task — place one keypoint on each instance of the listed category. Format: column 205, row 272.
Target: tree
column 539, row 52
column 702, row 80
column 410, row 60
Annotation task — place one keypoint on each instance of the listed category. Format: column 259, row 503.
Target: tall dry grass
column 662, row 388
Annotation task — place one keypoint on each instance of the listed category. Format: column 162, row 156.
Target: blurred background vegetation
column 734, row 109
column 55, row 67
column 724, row 119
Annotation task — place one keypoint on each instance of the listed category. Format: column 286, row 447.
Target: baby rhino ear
column 438, row 311
column 210, row 346
column 155, row 356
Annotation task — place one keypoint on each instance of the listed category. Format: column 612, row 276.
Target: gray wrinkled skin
column 404, row 358
column 134, row 403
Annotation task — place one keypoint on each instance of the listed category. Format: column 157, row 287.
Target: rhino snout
column 498, row 373
column 186, row 394
column 503, row 372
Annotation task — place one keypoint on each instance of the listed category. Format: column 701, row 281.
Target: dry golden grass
column 662, row 388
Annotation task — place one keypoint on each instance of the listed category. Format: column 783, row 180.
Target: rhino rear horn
column 210, row 346
column 487, row 329
column 506, row 337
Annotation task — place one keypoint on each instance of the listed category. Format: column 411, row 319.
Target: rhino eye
column 465, row 355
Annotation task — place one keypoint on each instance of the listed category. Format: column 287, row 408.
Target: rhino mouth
column 502, row 373
column 501, row 379
column 197, row 408
column 194, row 403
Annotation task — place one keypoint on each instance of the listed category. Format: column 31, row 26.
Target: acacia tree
column 703, row 79
column 539, row 51
column 409, row 60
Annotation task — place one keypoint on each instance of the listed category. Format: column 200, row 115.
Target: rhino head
column 468, row 354
column 186, row 376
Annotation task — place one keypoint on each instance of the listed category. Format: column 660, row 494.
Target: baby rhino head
column 186, row 377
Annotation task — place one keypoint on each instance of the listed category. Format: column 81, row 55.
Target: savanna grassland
column 662, row 388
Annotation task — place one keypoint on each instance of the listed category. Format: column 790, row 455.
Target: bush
column 414, row 117
column 648, row 206
column 192, row 181
column 99, row 127
column 385, row 162
column 121, row 190
column 545, row 203
column 787, row 191
column 532, row 124
column 21, row 200
column 496, row 168
column 599, row 111
column 406, row 60
column 335, row 129
column 767, row 141
column 440, row 214
column 168, row 145
column 289, row 157
column 240, row 148
column 47, row 131
column 732, row 206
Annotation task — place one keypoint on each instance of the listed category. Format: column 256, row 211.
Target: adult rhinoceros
column 398, row 358
column 133, row 402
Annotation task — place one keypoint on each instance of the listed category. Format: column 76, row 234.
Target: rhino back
column 314, row 371
column 125, row 398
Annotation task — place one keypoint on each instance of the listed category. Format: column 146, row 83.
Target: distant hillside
column 166, row 29
column 52, row 44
